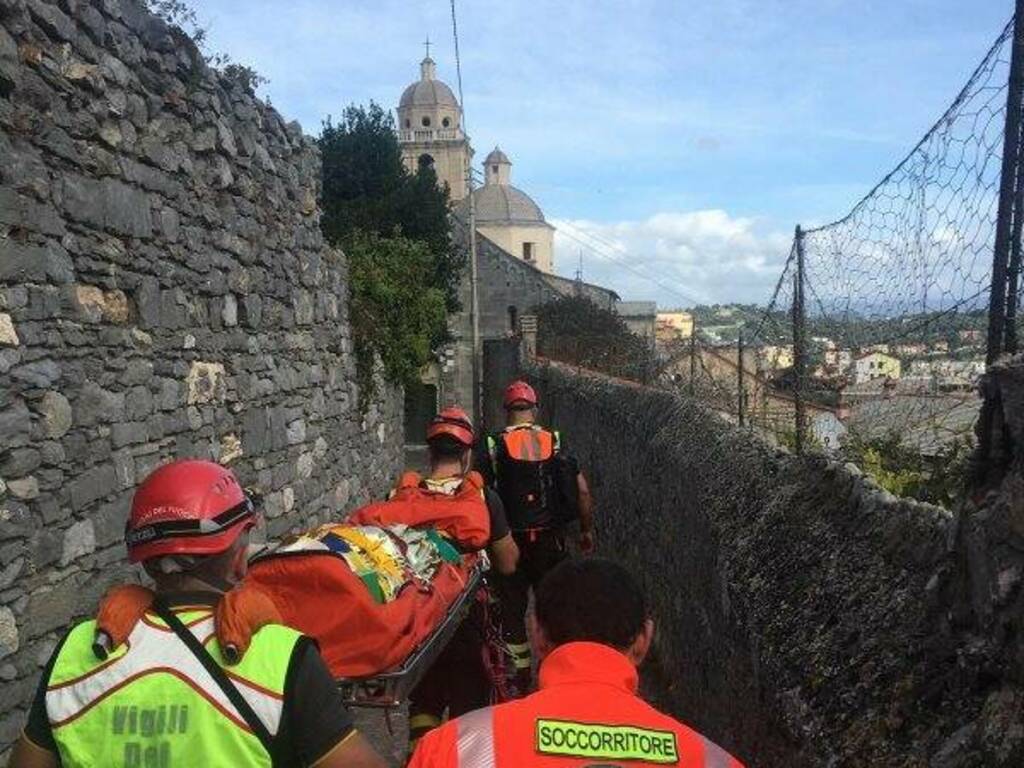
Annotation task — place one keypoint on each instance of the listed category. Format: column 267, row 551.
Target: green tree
column 395, row 228
column 395, row 314
column 576, row 330
column 904, row 471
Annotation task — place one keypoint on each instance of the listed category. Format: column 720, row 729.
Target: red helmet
column 520, row 393
column 187, row 507
column 453, row 422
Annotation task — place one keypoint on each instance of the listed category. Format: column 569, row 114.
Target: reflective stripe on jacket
column 152, row 703
column 586, row 713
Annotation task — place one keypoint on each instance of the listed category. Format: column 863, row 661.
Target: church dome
column 497, row 156
column 504, row 204
column 427, row 91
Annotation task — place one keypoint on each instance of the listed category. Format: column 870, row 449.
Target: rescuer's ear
column 538, row 640
column 641, row 644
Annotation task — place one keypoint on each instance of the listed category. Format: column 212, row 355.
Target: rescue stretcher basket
column 387, row 690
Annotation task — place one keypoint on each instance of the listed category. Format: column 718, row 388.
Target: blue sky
column 706, row 128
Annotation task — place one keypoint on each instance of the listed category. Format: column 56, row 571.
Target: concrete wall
column 164, row 292
column 806, row 617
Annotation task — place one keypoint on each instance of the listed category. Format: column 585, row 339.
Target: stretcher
column 382, row 602
column 389, row 689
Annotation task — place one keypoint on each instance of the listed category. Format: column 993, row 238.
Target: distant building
column 640, row 317
column 910, row 350
column 774, row 358
column 838, row 360
column 950, row 375
column 875, row 365
column 673, row 326
column 972, row 337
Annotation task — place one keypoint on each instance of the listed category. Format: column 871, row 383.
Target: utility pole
column 799, row 344
column 478, row 352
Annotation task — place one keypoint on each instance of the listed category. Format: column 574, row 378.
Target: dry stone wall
column 164, row 292
column 806, row 617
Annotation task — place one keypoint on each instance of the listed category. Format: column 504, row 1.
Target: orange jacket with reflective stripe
column 586, row 713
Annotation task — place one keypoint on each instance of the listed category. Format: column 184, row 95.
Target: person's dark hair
column 445, row 447
column 594, row 600
column 520, row 405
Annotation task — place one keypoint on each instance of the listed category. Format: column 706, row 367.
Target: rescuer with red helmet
column 163, row 695
column 591, row 629
column 460, row 681
column 544, row 492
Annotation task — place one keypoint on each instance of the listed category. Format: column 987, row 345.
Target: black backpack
column 536, row 481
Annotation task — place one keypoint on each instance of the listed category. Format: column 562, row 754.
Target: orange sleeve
column 437, row 749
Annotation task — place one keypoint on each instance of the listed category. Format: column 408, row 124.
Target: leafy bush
column 573, row 329
column 403, row 267
column 904, row 471
column 395, row 314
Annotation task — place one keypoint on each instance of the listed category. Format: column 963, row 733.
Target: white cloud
column 676, row 257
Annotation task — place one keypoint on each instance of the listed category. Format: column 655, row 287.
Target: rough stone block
column 32, row 263
column 205, row 383
column 20, row 461
column 228, row 314
column 96, row 405
column 129, row 433
column 296, row 432
column 138, row 403
column 107, row 204
column 92, row 485
column 15, row 424
column 8, row 632
column 41, row 373
column 79, row 540
column 23, row 488
column 56, row 412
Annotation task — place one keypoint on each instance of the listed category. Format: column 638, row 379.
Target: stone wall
column 508, row 288
column 806, row 617
column 164, row 292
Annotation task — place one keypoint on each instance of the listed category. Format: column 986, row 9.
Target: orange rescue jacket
column 462, row 515
column 586, row 713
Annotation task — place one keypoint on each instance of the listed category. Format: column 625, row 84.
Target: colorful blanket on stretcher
column 369, row 594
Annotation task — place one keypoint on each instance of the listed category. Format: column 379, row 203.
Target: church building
column 430, row 130
column 515, row 244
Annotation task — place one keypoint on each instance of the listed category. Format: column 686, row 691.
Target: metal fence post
column 740, row 393
column 799, row 343
column 1013, row 268
column 1003, row 307
column 693, row 361
column 1007, row 194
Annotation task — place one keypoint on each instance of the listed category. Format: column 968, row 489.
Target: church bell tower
column 430, row 130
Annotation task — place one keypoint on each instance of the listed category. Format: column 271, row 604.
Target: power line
column 624, row 264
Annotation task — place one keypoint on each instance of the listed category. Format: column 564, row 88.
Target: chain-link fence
column 883, row 322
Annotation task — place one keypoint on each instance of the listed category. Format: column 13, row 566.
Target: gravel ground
column 391, row 743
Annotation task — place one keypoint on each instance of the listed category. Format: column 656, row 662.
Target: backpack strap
column 474, row 480
column 258, row 727
column 556, row 442
column 492, row 451
column 409, row 479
